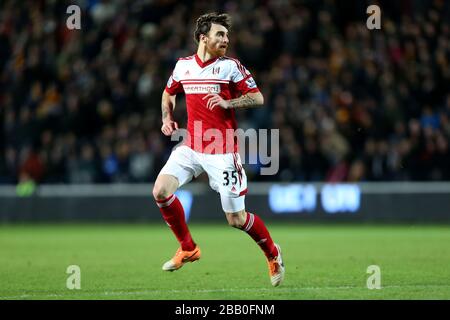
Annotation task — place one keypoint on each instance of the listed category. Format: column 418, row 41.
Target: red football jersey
column 224, row 76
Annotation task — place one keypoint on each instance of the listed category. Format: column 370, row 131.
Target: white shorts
column 225, row 172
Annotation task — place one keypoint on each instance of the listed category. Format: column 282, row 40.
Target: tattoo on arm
column 166, row 109
column 243, row 101
column 165, row 113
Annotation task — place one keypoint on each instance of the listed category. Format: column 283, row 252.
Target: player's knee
column 235, row 224
column 236, row 220
column 160, row 192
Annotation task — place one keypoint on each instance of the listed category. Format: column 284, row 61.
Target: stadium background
column 364, row 119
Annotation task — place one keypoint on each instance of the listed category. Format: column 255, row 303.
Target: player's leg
column 172, row 210
column 178, row 170
column 254, row 226
column 227, row 177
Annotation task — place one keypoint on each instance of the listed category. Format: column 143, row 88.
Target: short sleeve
column 243, row 79
column 174, row 85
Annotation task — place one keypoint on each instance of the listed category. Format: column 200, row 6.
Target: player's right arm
column 167, row 107
column 168, row 102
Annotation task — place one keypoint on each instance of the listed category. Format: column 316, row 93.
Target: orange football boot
column 181, row 257
column 276, row 268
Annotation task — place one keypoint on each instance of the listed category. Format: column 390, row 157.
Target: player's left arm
column 250, row 99
column 244, row 85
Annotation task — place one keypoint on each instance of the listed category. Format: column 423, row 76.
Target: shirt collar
column 206, row 63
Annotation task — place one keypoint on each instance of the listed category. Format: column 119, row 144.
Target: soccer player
column 214, row 86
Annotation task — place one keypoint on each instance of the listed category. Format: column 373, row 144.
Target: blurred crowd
column 352, row 104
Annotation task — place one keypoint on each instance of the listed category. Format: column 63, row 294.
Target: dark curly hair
column 204, row 22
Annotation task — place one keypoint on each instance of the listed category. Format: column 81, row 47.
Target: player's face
column 217, row 40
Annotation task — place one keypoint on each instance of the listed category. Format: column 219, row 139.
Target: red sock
column 255, row 227
column 173, row 213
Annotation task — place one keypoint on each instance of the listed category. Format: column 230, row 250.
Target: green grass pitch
column 322, row 262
